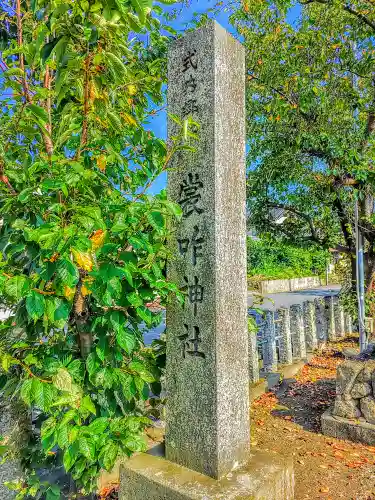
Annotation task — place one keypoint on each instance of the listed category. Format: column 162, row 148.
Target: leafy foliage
column 278, row 260
column 83, row 246
column 311, row 119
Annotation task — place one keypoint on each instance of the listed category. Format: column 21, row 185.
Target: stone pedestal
column 149, row 477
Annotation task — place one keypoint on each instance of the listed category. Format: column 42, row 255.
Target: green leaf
column 88, row 405
column 63, row 380
column 70, row 456
column 16, row 287
column 156, row 220
column 126, row 340
column 53, row 493
column 63, row 436
column 35, row 305
column 48, row 48
column 43, row 394
column 109, row 454
column 87, row 447
column 145, row 314
column 48, row 427
column 27, row 392
column 98, row 426
column 38, row 111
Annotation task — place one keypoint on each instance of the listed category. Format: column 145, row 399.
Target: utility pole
column 360, row 283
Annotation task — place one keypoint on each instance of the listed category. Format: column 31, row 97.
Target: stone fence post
column 268, row 339
column 253, row 358
column 339, row 319
column 348, row 324
column 284, row 334
column 330, row 315
column 297, row 329
column 321, row 320
column 309, row 320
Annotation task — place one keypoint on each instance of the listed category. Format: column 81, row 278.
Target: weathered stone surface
column 207, row 427
column 309, row 321
column 348, row 324
column 268, row 339
column 284, row 335
column 147, row 477
column 297, row 330
column 330, row 317
column 346, row 407
column 346, row 376
column 361, row 390
column 13, row 427
column 339, row 319
column 368, row 409
column 342, row 428
column 253, row 358
column 321, row 320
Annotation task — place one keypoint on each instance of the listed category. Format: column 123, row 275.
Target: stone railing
column 289, row 334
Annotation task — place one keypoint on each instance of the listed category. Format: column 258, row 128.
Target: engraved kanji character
column 190, row 84
column 190, row 195
column 195, row 293
column 190, row 61
column 191, row 346
column 195, row 243
column 190, row 107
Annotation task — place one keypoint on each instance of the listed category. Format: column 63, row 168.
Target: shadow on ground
column 304, row 403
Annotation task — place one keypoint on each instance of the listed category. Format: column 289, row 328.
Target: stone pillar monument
column 207, row 442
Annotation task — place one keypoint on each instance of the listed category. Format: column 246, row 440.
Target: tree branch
column 360, row 16
column 20, row 42
column 47, row 136
column 307, row 218
column 86, row 97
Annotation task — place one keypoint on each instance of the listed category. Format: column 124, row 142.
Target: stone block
column 361, row 390
column 150, row 477
column 342, row 428
column 347, row 374
column 368, row 409
column 346, row 407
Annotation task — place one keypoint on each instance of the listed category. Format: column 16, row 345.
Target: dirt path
column 288, row 423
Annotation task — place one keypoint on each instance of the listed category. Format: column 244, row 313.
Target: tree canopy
column 83, row 245
column 311, row 119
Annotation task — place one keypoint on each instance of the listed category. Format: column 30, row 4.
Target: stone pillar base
column 342, row 428
column 151, row 477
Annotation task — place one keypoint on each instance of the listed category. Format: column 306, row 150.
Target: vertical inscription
column 190, row 246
